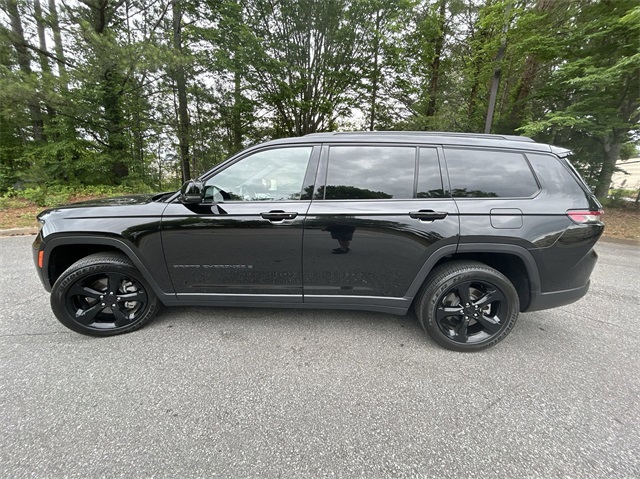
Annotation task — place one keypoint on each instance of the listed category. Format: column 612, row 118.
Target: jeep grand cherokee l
column 469, row 230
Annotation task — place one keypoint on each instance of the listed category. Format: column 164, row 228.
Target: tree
column 594, row 91
column 24, row 61
column 181, row 89
column 304, row 63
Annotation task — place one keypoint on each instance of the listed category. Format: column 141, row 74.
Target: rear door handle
column 428, row 215
column 278, row 215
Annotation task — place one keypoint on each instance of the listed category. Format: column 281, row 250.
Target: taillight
column 585, row 217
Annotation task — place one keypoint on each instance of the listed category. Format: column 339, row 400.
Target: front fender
column 160, row 284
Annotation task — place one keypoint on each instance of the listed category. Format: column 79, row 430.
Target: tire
column 103, row 294
column 484, row 319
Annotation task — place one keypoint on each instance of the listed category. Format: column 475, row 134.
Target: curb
column 30, row 230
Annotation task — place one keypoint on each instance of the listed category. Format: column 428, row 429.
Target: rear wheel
column 467, row 306
column 102, row 295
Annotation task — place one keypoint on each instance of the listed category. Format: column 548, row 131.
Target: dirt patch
column 622, row 223
column 19, row 212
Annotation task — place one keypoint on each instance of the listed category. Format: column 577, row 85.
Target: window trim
column 507, row 150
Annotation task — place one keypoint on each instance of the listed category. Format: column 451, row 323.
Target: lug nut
column 113, row 305
column 118, row 299
column 103, row 304
column 101, row 296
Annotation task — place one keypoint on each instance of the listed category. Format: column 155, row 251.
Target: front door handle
column 278, row 215
column 428, row 215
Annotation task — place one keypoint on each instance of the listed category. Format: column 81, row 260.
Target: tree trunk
column 435, row 64
column 44, row 61
column 43, row 54
column 523, row 90
column 24, row 61
column 376, row 73
column 497, row 72
column 237, row 109
column 529, row 73
column 57, row 41
column 611, row 147
column 181, row 87
column 475, row 75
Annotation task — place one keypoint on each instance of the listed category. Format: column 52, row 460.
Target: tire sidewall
column 434, row 296
column 69, row 278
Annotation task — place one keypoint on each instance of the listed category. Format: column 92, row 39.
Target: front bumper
column 37, row 246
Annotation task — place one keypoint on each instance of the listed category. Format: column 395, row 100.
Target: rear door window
column 429, row 177
column 370, row 172
column 489, row 174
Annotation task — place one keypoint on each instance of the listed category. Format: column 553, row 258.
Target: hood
column 121, row 206
column 105, row 215
column 128, row 200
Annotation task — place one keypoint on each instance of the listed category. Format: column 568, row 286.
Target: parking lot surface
column 206, row 392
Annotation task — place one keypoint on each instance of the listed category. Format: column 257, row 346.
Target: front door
column 244, row 241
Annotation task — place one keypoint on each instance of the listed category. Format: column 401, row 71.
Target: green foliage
column 620, row 197
column 107, row 107
column 55, row 195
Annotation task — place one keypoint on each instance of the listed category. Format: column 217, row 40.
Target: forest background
column 104, row 96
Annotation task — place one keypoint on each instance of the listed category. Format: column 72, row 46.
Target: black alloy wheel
column 103, row 295
column 467, row 306
column 106, row 301
column 471, row 311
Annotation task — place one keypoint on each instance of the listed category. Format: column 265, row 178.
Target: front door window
column 270, row 175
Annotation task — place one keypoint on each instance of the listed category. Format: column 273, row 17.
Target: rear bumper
column 554, row 299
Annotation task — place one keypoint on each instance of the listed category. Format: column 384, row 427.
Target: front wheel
column 467, row 306
column 103, row 294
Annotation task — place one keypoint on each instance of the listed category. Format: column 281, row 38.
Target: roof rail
column 427, row 133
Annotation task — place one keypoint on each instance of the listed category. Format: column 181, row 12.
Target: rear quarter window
column 489, row 174
column 555, row 177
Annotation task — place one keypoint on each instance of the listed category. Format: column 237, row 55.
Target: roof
column 423, row 133
column 426, row 138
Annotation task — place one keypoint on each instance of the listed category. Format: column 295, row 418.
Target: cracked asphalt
column 287, row 393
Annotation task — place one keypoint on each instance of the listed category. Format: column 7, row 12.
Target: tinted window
column 489, row 174
column 370, row 172
column 269, row 175
column 556, row 179
column 429, row 179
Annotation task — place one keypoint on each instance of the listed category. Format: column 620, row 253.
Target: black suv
column 469, row 229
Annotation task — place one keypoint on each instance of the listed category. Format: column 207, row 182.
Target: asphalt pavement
column 217, row 392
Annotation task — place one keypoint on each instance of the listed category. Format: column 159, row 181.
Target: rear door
column 378, row 214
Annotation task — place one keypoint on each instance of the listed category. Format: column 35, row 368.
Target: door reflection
column 343, row 234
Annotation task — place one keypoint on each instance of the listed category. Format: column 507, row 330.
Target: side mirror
column 192, row 191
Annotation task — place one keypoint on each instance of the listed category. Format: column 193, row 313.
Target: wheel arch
column 62, row 252
column 515, row 262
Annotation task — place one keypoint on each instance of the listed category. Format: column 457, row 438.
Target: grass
column 621, row 222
